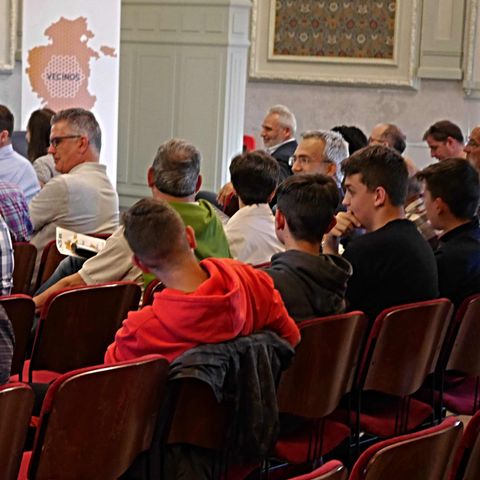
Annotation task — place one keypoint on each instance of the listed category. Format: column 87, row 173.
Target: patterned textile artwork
column 359, row 29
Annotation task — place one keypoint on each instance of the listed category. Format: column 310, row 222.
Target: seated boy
column 392, row 263
column 451, row 200
column 310, row 283
column 208, row 302
column 251, row 231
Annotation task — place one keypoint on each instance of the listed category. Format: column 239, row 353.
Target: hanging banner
column 70, row 58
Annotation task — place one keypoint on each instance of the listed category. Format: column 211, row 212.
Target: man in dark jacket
column 310, row 283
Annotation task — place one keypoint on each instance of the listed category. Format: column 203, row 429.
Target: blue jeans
column 68, row 266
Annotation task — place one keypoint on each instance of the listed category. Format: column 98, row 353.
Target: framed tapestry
column 8, row 32
column 359, row 42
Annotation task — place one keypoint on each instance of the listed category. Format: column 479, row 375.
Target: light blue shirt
column 18, row 170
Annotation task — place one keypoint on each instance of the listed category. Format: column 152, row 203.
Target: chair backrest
column 324, row 365
column 332, row 470
column 466, row 465
column 21, row 311
column 96, row 420
column 16, row 403
column 77, row 325
column 24, row 255
column 153, row 287
column 424, row 455
column 403, row 346
column 465, row 354
column 49, row 261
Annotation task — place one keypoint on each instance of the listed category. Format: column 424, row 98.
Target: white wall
column 322, row 107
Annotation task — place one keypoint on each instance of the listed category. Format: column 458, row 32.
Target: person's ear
column 84, row 144
column 270, row 197
column 198, row 184
column 331, row 225
column 190, row 234
column 280, row 220
column 138, row 263
column 331, row 169
column 380, row 197
column 440, row 206
column 150, row 177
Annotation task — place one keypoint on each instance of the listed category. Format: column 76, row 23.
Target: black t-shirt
column 458, row 261
column 391, row 266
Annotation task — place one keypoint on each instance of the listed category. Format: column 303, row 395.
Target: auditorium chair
column 76, row 326
column 332, row 470
column 21, row 311
column 321, row 374
column 94, row 421
column 423, row 455
column 24, row 255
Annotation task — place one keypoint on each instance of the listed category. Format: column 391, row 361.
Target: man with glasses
column 82, row 199
column 472, row 148
column 13, row 167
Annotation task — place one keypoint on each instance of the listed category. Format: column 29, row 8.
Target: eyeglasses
column 56, row 141
column 303, row 160
column 473, row 143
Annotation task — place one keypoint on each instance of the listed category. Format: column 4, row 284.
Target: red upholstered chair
column 466, row 465
column 20, row 310
column 333, row 470
column 77, row 325
column 462, row 378
column 153, row 287
column 402, row 350
column 16, row 402
column 95, row 421
column 24, row 255
column 321, row 374
column 423, row 455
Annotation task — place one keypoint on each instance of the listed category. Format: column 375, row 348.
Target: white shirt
column 251, row 234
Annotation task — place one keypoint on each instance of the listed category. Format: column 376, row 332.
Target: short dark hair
column 355, row 138
column 309, row 202
column 395, row 137
column 456, row 182
column 39, row 129
column 154, row 230
column 176, row 168
column 380, row 166
column 6, row 120
column 440, row 131
column 254, row 176
column 83, row 122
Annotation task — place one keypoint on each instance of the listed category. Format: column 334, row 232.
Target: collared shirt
column 18, row 170
column 14, row 210
column 416, row 212
column 6, row 259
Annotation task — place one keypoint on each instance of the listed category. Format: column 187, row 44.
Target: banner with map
column 70, row 58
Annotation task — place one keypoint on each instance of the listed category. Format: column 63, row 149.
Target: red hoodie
column 235, row 300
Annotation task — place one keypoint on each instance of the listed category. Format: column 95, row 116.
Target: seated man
column 6, row 259
column 174, row 177
column 14, row 210
column 451, row 199
column 392, row 263
column 13, row 167
column 310, row 283
column 445, row 140
column 83, row 199
column 251, row 231
column 208, row 302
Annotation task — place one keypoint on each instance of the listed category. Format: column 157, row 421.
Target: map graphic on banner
column 59, row 72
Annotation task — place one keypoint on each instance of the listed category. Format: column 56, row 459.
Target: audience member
column 278, row 135
column 389, row 135
column 83, row 199
column 451, row 199
column 472, row 148
column 311, row 284
column 251, row 230
column 7, row 342
column 13, row 167
column 14, row 210
column 208, row 302
column 38, row 139
column 355, row 138
column 174, row 177
column 445, row 140
column 392, row 263
column 6, row 259
column 320, row 151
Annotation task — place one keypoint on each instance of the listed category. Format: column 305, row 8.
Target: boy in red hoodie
column 208, row 302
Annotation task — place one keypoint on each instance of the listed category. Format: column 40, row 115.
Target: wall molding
column 8, row 29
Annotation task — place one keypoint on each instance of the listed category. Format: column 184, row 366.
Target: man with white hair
column 278, row 135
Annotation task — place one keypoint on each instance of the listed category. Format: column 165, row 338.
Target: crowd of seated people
column 334, row 223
